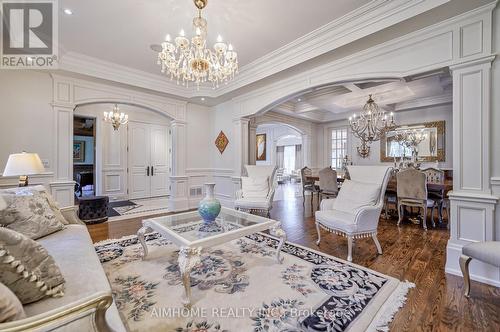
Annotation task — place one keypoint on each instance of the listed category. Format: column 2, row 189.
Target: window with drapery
column 289, row 158
column 339, row 146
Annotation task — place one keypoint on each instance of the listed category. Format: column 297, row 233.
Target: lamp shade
column 20, row 164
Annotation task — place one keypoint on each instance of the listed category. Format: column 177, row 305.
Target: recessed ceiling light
column 202, row 98
column 68, row 11
column 299, row 99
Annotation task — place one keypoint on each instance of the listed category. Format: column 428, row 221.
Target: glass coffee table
column 192, row 235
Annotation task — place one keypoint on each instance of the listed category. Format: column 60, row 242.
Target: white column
column 240, row 130
column 472, row 204
column 62, row 187
column 252, row 133
column 178, row 179
column 241, row 137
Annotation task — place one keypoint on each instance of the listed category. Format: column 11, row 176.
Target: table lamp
column 22, row 165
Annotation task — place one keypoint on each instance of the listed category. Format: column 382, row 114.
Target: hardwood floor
column 436, row 304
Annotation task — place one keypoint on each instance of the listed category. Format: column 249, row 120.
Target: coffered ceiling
column 111, row 39
column 330, row 103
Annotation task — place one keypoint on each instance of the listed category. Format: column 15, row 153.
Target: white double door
column 148, row 160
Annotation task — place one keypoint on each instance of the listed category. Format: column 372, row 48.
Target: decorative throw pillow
column 353, row 195
column 255, row 187
column 37, row 190
column 30, row 215
column 10, row 307
column 27, row 268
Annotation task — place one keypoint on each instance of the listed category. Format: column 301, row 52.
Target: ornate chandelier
column 116, row 118
column 370, row 126
column 411, row 138
column 414, row 137
column 192, row 61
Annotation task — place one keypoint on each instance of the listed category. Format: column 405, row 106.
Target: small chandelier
column 370, row 126
column 116, row 118
column 414, row 137
column 192, row 61
column 411, row 138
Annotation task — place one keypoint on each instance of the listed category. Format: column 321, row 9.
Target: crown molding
column 94, row 67
column 363, row 21
column 370, row 53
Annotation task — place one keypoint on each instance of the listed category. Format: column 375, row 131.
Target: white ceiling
column 338, row 102
column 121, row 31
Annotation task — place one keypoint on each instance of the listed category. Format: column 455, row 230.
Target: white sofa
column 355, row 212
column 87, row 304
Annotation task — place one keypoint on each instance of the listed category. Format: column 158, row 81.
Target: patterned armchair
column 356, row 210
column 257, row 192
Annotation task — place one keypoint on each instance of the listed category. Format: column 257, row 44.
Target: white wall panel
column 471, row 39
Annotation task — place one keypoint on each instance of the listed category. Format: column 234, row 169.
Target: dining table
column 445, row 187
column 311, row 178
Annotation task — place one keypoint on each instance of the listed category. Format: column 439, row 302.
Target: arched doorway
column 132, row 162
column 72, row 92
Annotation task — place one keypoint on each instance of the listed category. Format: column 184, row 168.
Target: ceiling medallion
column 371, row 125
column 191, row 61
column 116, row 118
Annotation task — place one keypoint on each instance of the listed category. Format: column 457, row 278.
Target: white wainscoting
column 114, row 163
column 224, row 184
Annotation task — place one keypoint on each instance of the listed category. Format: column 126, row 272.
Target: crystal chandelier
column 411, row 138
column 414, row 137
column 370, row 126
column 192, row 61
column 116, row 118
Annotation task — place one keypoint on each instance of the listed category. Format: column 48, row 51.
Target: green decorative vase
column 209, row 207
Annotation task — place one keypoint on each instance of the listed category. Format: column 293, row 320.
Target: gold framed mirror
column 432, row 148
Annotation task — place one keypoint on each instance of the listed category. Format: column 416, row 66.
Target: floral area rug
column 239, row 286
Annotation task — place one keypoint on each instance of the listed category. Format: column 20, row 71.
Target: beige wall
column 26, row 117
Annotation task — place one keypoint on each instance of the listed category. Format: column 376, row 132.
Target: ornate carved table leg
column 141, row 236
column 188, row 258
column 279, row 232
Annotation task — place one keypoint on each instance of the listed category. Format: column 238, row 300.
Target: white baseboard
column 474, row 277
column 479, row 271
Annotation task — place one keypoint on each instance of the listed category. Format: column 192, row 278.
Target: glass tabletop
column 189, row 227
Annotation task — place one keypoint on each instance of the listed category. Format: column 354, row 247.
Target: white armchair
column 356, row 210
column 257, row 192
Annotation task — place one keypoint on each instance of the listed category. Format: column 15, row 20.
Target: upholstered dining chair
column 307, row 185
column 328, row 186
column 356, row 210
column 391, row 196
column 257, row 190
column 437, row 176
column 412, row 192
